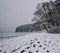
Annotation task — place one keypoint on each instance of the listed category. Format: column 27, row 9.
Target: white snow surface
column 31, row 43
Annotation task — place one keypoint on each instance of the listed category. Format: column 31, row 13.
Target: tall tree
column 47, row 14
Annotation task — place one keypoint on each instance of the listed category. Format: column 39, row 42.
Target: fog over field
column 16, row 12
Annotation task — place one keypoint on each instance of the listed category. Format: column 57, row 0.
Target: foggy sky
column 16, row 12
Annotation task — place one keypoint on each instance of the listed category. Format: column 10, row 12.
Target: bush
column 55, row 30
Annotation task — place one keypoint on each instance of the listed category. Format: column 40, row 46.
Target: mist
column 16, row 12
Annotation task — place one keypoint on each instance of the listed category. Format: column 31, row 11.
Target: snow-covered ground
column 31, row 43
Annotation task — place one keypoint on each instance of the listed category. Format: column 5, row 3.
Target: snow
column 31, row 43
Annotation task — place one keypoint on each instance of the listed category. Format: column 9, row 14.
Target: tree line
column 46, row 17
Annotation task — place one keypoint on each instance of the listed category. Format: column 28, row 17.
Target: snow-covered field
column 31, row 43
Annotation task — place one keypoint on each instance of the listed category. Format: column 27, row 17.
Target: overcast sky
column 16, row 12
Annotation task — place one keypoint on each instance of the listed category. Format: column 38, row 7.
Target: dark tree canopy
column 48, row 14
column 24, row 28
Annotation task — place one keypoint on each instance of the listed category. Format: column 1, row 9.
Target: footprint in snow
column 42, row 47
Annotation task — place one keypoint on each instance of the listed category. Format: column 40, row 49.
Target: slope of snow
column 31, row 43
